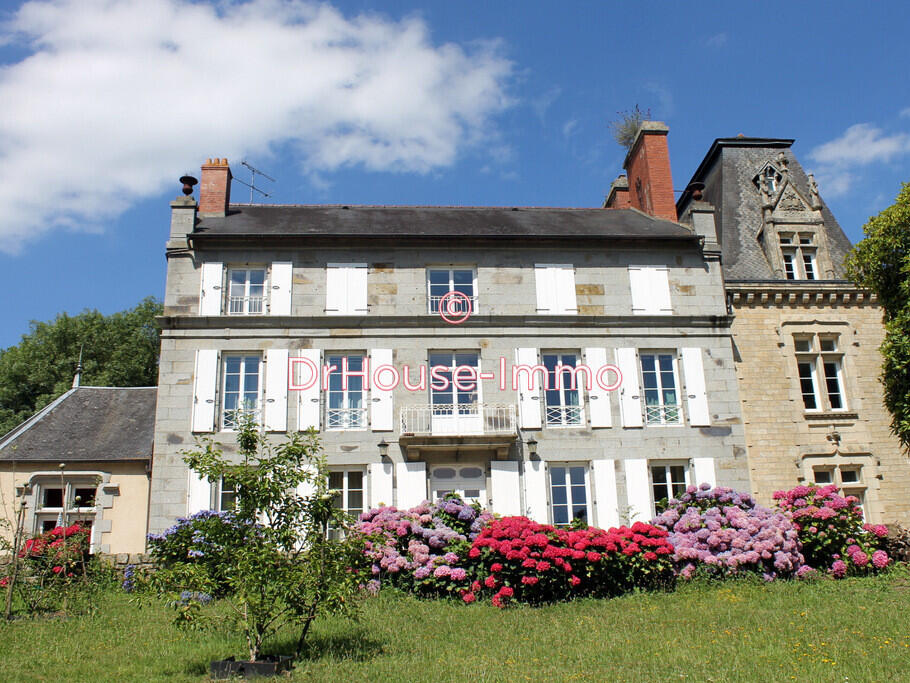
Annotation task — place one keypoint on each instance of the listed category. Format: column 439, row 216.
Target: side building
column 806, row 340
column 85, row 457
column 631, row 304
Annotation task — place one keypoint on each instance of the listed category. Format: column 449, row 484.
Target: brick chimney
column 215, row 188
column 648, row 168
column 618, row 198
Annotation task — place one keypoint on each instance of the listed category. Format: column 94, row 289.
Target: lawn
column 850, row 630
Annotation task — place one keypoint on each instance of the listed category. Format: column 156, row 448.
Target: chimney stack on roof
column 618, row 197
column 648, row 168
column 215, row 188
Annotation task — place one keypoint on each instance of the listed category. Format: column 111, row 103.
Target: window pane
column 678, row 474
column 829, row 344
column 336, row 480
column 471, row 473
column 440, row 277
column 355, row 480
column 558, row 476
column 444, row 473
column 560, row 497
column 560, row 514
column 823, row 476
column 832, row 384
column 257, row 277
column 355, row 501
column 53, row 498
column 86, row 497
column 659, row 475
column 802, row 345
column 807, row 386
column 577, row 476
column 469, row 359
column 849, row 475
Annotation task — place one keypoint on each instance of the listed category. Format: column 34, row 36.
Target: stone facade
column 615, row 446
column 805, row 340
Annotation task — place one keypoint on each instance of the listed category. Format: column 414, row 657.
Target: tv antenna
column 252, row 183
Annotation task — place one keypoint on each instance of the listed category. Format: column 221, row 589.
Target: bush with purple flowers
column 831, row 531
column 423, row 549
column 725, row 533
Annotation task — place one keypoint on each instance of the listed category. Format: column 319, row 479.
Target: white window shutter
column 506, row 487
column 336, row 289
column 565, row 289
column 545, row 279
column 528, row 401
column 381, row 419
column 604, row 474
column 276, row 390
column 281, row 277
column 380, row 483
column 211, row 293
column 307, row 488
column 598, row 398
column 198, row 493
column 536, row 491
column 696, row 393
column 308, row 399
column 660, row 290
column 629, row 390
column 650, row 290
column 638, row 489
column 412, row 483
column 205, row 380
column 704, row 471
column 357, row 288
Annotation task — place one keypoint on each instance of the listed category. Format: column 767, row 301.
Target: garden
column 716, row 587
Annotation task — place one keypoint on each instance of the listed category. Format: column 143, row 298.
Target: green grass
column 852, row 630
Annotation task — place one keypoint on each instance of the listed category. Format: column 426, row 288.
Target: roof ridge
column 507, row 207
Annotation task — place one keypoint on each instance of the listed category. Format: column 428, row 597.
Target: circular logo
column 455, row 307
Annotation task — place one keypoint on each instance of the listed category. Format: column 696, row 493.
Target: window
column 240, row 388
column 246, row 291
column 467, row 481
column 345, row 405
column 820, row 366
column 227, row 496
column 668, row 481
column 563, row 403
column 768, row 179
column 347, row 486
column 569, row 493
column 80, row 496
column 555, row 288
column 441, row 281
column 798, row 254
column 847, row 477
column 448, row 400
column 824, row 476
column 659, row 380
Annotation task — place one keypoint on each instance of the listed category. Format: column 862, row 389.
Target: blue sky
column 107, row 103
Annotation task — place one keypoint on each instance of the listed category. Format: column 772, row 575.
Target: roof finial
column 78, row 375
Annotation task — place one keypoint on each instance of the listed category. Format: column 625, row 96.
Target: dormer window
column 798, row 256
column 768, row 178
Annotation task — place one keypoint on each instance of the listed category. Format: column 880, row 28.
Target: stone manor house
column 559, row 363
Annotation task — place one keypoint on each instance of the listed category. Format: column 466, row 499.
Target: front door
column 468, row 481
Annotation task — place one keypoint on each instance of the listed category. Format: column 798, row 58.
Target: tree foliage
column 881, row 263
column 271, row 559
column 120, row 350
column 626, row 127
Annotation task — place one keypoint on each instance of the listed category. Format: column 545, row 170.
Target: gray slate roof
column 727, row 171
column 438, row 222
column 87, row 423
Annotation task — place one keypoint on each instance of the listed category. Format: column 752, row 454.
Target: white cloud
column 118, row 97
column 905, row 113
column 717, row 40
column 861, row 144
column 569, row 127
column 665, row 106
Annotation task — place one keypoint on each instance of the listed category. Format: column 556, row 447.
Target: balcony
column 454, row 306
column 345, row 418
column 668, row 414
column 448, row 419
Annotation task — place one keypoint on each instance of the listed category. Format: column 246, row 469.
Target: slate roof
column 402, row 222
column 87, row 423
column 727, row 171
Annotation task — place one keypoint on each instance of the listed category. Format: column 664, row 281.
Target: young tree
column 881, row 263
column 271, row 558
column 119, row 350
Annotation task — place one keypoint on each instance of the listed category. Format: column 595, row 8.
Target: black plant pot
column 267, row 666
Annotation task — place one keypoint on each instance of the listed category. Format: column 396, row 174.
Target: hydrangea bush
column 725, row 533
column 422, row 549
column 524, row 561
column 832, row 532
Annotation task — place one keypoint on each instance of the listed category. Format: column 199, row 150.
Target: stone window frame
column 451, row 268
column 845, row 334
column 224, row 424
column 866, row 488
column 563, row 423
column 329, row 392
column 802, row 246
column 104, row 500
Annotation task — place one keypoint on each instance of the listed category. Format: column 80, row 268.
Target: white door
column 468, row 481
column 455, row 410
